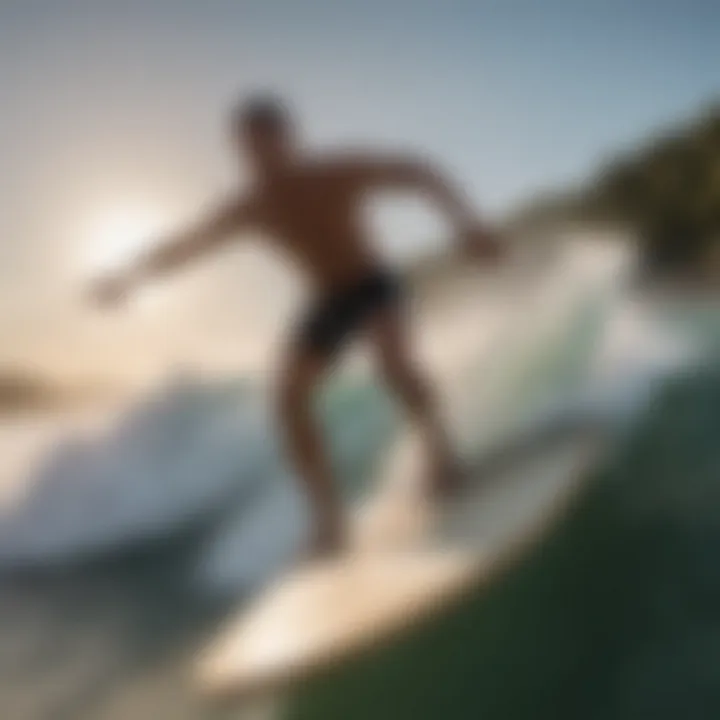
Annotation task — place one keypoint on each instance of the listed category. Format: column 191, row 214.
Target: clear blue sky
column 109, row 102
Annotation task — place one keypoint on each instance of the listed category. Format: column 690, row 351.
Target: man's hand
column 482, row 244
column 111, row 290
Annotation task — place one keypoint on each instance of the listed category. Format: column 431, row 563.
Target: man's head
column 263, row 130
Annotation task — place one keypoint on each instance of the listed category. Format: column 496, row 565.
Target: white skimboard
column 410, row 557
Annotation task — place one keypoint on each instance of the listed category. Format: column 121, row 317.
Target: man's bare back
column 311, row 209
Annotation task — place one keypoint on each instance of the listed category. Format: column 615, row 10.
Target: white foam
column 177, row 453
column 188, row 448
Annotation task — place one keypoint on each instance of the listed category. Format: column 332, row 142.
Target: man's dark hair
column 263, row 112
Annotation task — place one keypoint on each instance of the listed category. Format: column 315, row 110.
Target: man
column 311, row 208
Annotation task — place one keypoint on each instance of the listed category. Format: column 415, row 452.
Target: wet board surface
column 410, row 558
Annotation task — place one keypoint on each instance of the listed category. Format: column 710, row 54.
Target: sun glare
column 114, row 238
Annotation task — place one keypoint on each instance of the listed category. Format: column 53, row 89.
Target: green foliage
column 614, row 615
column 669, row 192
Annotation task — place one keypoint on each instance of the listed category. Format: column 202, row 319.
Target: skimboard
column 410, row 557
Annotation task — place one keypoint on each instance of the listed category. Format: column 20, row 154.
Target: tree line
column 666, row 192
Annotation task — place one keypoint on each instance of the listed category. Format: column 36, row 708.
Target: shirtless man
column 311, row 207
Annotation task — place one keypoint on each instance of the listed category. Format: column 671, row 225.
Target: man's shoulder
column 239, row 206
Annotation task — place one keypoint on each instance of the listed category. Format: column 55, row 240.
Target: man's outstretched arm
column 420, row 176
column 175, row 251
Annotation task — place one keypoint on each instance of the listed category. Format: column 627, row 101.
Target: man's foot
column 330, row 540
column 445, row 476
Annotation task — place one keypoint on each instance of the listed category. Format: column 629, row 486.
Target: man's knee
column 296, row 388
column 293, row 397
column 409, row 382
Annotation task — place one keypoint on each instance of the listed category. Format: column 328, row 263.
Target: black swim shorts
column 336, row 317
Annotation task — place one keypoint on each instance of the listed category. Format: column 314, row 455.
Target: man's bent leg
column 300, row 378
column 401, row 373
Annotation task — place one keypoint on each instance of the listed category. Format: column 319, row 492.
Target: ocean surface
column 128, row 533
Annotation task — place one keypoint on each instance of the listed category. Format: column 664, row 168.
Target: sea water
column 127, row 534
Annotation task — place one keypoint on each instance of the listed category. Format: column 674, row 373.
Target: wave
column 582, row 354
column 202, row 459
column 175, row 461
column 613, row 615
column 188, row 493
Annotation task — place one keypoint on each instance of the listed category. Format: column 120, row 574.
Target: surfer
column 310, row 207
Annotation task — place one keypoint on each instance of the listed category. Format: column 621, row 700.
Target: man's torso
column 314, row 215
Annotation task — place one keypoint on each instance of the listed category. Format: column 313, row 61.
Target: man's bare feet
column 330, row 539
column 445, row 476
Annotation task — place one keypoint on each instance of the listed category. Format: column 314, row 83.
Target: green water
column 615, row 615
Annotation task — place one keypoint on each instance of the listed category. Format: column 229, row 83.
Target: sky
column 113, row 116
